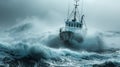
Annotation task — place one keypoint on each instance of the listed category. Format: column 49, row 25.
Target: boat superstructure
column 75, row 27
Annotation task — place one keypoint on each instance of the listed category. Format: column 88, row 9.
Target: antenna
column 76, row 2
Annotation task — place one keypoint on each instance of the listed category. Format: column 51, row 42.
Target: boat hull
column 69, row 36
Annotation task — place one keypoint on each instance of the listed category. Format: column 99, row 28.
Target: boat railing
column 69, row 29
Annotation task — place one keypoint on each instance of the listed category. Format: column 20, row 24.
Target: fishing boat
column 75, row 27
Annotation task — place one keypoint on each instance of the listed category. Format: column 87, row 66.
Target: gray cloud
column 102, row 14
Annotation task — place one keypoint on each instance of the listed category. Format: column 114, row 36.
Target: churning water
column 21, row 46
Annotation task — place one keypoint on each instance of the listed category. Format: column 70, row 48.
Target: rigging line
column 68, row 9
column 82, row 6
column 82, row 10
column 71, row 13
column 85, row 24
column 78, row 14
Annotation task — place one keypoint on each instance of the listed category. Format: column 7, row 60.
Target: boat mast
column 76, row 5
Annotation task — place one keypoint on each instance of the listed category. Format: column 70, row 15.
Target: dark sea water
column 21, row 46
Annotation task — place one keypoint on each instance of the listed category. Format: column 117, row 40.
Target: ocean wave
column 23, row 48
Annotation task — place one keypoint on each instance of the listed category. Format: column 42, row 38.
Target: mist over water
column 33, row 40
column 23, row 43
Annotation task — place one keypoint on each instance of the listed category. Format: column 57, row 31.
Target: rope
column 68, row 9
column 82, row 6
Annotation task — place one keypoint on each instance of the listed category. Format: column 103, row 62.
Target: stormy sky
column 99, row 14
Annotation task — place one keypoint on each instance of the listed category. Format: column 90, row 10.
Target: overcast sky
column 99, row 14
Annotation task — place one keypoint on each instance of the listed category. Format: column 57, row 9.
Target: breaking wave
column 21, row 46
